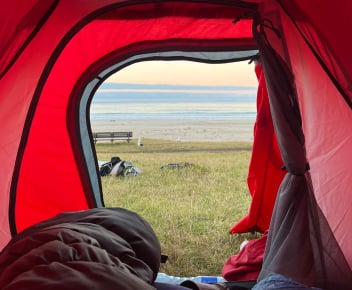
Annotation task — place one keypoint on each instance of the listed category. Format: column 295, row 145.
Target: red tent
column 55, row 54
column 265, row 170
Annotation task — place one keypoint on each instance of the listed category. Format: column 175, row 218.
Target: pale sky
column 187, row 73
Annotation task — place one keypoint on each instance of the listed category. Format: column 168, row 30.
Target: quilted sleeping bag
column 103, row 248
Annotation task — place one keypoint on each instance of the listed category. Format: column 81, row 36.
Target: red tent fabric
column 55, row 54
column 50, row 111
column 247, row 263
column 265, row 169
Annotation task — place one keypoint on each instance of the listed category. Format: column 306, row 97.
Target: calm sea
column 139, row 101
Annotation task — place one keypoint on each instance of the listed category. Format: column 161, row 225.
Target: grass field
column 191, row 209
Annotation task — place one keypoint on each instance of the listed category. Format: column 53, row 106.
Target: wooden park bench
column 112, row 136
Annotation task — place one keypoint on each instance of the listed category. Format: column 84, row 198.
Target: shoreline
column 181, row 130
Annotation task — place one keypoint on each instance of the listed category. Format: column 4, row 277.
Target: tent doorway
column 191, row 208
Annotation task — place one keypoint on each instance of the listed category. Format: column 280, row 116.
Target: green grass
column 190, row 209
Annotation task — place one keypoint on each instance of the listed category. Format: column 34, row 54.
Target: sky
column 187, row 73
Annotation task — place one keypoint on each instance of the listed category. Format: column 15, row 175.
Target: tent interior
column 53, row 57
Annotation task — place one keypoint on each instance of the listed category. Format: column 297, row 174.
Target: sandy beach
column 181, row 130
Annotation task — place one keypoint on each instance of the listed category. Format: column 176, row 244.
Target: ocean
column 114, row 101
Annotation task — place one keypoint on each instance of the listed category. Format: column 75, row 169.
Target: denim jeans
column 279, row 282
